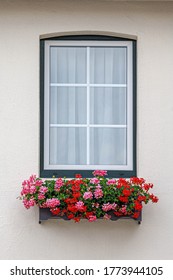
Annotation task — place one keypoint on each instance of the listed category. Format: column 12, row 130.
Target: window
column 88, row 111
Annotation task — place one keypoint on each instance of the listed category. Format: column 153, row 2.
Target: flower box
column 87, row 198
column 45, row 214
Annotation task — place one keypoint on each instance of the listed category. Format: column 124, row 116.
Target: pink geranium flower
column 107, row 207
column 52, row 202
column 38, row 183
column 114, row 205
column 33, row 189
column 88, row 195
column 111, row 182
column 100, row 173
column 32, row 179
column 92, row 218
column 28, row 203
column 25, row 183
column 25, row 190
column 58, row 184
column 41, row 196
column 94, row 181
column 107, row 217
column 43, row 190
column 98, row 193
column 123, row 209
column 79, row 205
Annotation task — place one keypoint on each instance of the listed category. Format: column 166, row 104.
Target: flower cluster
column 94, row 198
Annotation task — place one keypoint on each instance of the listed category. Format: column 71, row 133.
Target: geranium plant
column 98, row 197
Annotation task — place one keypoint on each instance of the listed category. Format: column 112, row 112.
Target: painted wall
column 21, row 24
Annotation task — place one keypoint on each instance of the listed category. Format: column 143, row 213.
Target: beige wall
column 21, row 24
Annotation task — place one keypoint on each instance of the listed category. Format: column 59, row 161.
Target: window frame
column 81, row 40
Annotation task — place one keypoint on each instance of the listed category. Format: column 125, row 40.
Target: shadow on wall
column 85, row 240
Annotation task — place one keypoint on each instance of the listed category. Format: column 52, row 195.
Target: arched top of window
column 87, row 35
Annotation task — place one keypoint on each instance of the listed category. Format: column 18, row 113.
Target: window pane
column 68, row 105
column 67, row 146
column 108, row 105
column 108, row 65
column 108, row 146
column 68, row 65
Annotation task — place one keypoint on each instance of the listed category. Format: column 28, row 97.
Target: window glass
column 108, row 65
column 67, row 146
column 108, row 105
column 68, row 105
column 67, row 65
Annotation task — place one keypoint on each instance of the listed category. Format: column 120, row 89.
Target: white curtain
column 68, row 106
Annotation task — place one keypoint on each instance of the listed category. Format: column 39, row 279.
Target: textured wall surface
column 21, row 24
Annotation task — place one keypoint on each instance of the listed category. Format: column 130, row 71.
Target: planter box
column 45, row 214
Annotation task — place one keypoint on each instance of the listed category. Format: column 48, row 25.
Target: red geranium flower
column 138, row 205
column 89, row 214
column 126, row 192
column 147, row 186
column 70, row 200
column 72, row 208
column 137, row 181
column 76, row 219
column 83, row 209
column 136, row 215
column 55, row 211
column 122, row 183
column 78, row 176
column 70, row 216
column 78, row 182
column 63, row 212
column 116, row 213
column 75, row 188
column 141, row 198
column 154, row 198
column 76, row 194
column 123, row 199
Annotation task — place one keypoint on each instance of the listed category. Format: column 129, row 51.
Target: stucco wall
column 21, row 24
